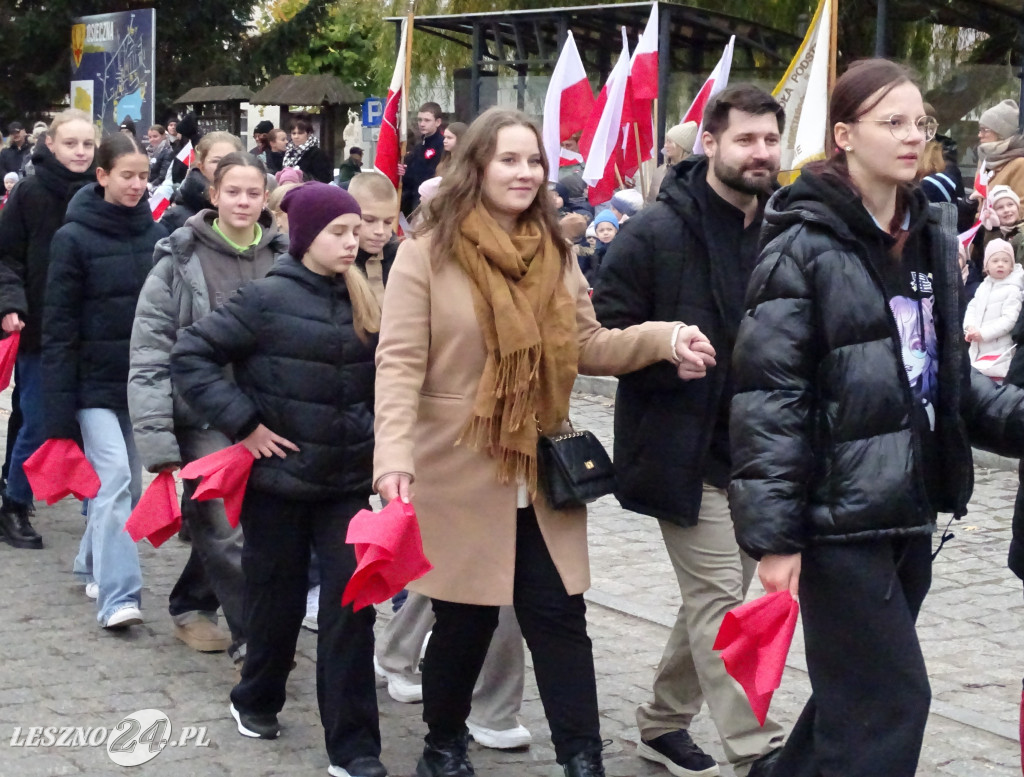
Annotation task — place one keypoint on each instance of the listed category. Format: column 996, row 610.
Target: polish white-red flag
column 602, row 141
column 966, row 238
column 567, row 158
column 643, row 70
column 716, row 82
column 160, row 200
column 392, row 126
column 981, row 179
column 187, row 155
column 640, row 97
column 567, row 105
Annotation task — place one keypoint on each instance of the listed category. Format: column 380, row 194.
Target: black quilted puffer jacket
column 299, row 368
column 823, row 443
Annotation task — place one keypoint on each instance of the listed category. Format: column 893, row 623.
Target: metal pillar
column 1020, row 74
column 474, row 72
column 882, row 29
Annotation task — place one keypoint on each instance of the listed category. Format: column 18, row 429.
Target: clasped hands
column 695, row 353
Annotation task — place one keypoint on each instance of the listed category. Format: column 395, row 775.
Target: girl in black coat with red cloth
column 853, row 419
column 100, row 260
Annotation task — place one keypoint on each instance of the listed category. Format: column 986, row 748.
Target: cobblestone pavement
column 60, row 669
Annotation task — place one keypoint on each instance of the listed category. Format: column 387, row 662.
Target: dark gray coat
column 174, row 297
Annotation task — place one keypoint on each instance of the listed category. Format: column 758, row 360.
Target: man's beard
column 734, row 178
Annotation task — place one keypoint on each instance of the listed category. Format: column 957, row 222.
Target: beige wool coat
column 429, row 362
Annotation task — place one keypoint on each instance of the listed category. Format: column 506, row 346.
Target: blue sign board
column 373, row 111
column 112, row 73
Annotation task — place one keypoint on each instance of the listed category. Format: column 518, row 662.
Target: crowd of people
column 802, row 370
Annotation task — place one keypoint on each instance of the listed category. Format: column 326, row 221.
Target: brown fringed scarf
column 528, row 318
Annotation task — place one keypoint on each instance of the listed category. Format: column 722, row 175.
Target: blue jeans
column 107, row 553
column 32, row 433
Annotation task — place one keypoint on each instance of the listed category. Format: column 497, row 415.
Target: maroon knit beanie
column 310, row 208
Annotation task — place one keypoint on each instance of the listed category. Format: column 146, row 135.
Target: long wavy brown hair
column 462, row 185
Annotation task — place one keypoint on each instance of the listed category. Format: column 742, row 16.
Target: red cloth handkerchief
column 59, row 468
column 389, row 554
column 754, row 640
column 157, row 516
column 225, row 474
column 8, row 355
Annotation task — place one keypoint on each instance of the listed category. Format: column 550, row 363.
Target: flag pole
column 833, row 19
column 404, row 140
column 639, row 162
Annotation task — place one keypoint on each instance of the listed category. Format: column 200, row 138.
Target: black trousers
column 275, row 559
column 554, row 625
column 212, row 576
column 869, row 686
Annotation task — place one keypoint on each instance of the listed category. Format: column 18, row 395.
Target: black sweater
column 192, row 196
column 299, row 369
column 33, row 214
column 100, row 260
column 668, row 263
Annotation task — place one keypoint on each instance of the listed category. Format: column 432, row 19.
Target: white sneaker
column 401, row 690
column 312, row 609
column 126, row 615
column 92, row 590
column 509, row 739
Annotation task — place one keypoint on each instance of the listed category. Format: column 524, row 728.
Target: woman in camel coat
column 487, row 283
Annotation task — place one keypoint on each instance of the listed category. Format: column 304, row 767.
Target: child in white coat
column 993, row 312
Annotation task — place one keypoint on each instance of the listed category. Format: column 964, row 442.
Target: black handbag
column 573, row 469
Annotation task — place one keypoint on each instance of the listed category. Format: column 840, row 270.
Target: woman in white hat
column 679, row 142
column 1001, row 146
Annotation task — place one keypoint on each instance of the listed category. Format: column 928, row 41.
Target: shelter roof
column 215, row 94
column 307, row 90
column 533, row 37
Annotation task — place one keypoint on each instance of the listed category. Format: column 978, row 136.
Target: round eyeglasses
column 899, row 125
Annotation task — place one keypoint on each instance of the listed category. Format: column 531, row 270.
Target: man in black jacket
column 421, row 162
column 13, row 158
column 688, row 258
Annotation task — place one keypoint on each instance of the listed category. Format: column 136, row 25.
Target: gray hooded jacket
column 175, row 296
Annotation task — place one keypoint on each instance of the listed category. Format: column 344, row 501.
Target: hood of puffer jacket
column 201, row 226
column 58, row 180
column 89, row 209
column 194, row 191
column 683, row 191
column 287, row 266
column 827, row 201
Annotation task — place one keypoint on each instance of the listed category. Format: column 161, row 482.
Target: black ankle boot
column 446, row 757
column 15, row 528
column 585, row 764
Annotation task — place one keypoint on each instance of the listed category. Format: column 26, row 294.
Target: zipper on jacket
column 894, row 337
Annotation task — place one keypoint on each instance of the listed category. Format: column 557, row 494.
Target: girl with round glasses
column 902, row 126
column 852, row 423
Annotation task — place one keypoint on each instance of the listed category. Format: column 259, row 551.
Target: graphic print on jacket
column 916, row 325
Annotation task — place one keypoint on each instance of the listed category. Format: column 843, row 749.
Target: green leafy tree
column 345, row 45
column 198, row 43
